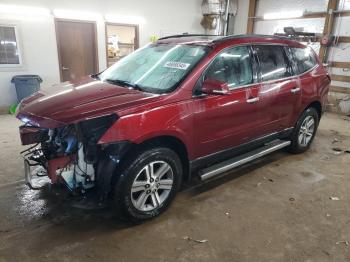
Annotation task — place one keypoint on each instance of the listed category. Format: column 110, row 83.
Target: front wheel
column 148, row 183
column 304, row 131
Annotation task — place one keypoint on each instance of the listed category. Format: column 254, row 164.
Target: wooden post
column 251, row 15
column 328, row 26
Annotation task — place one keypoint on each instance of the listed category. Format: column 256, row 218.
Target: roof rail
column 184, row 35
column 219, row 38
column 248, row 35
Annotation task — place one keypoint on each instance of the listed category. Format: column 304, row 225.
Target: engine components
column 78, row 174
column 69, row 154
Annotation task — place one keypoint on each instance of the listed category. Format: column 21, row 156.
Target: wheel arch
column 314, row 104
column 318, row 106
column 173, row 143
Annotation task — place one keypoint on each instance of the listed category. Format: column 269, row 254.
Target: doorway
column 77, row 48
column 121, row 39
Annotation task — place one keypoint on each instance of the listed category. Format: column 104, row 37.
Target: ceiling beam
column 339, row 64
column 343, row 13
column 340, row 89
column 344, row 39
column 340, row 78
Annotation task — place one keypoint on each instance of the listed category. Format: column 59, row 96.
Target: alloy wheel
column 152, row 186
column 306, row 131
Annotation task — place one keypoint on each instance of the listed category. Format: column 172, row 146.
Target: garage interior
column 282, row 207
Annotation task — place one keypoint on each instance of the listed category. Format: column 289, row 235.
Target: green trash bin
column 26, row 85
column 12, row 109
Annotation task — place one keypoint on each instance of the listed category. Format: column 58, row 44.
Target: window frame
column 292, row 61
column 254, row 66
column 289, row 64
column 19, row 49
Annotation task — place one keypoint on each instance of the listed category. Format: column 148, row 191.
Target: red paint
column 55, row 164
column 29, row 135
column 204, row 124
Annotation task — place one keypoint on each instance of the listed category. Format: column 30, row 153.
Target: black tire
column 296, row 147
column 129, row 171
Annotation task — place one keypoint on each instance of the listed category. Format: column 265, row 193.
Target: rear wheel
column 148, row 183
column 304, row 131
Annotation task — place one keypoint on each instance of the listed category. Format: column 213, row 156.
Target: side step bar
column 217, row 169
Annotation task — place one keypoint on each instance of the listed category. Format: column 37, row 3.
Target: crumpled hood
column 71, row 102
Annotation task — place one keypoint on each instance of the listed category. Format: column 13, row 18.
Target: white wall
column 272, row 6
column 241, row 18
column 38, row 39
column 39, row 54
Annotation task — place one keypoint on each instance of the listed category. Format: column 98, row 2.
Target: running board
column 217, row 169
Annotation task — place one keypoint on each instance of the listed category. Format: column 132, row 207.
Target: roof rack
column 184, row 35
column 300, row 36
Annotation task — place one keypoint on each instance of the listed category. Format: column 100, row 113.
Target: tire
column 142, row 197
column 304, row 132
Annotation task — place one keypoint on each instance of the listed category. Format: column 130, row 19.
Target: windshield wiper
column 124, row 83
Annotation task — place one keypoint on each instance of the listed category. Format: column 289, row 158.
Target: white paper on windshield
column 176, row 65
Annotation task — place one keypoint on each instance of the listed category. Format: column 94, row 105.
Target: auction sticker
column 176, row 65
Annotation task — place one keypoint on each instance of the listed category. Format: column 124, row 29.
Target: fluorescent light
column 283, row 15
column 24, row 10
column 124, row 19
column 78, row 15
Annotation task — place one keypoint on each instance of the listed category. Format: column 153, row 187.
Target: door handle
column 65, row 68
column 253, row 100
column 295, row 90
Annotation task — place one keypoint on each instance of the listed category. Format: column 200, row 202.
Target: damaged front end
column 72, row 155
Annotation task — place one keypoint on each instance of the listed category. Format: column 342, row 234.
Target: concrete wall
column 37, row 37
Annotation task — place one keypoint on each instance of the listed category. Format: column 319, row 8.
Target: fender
column 171, row 120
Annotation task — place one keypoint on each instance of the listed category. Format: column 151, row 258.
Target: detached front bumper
column 32, row 135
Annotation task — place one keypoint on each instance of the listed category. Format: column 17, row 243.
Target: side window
column 273, row 62
column 9, row 51
column 305, row 58
column 233, row 66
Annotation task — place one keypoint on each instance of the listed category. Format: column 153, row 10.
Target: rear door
column 309, row 75
column 224, row 121
column 279, row 92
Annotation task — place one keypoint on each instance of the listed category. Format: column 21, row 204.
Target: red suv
column 185, row 106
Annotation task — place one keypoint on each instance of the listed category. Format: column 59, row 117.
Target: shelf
column 128, row 44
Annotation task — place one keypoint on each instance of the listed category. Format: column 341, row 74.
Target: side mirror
column 215, row 87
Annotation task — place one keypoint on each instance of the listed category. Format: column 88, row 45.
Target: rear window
column 305, row 58
column 273, row 62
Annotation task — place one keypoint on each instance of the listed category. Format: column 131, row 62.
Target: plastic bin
column 26, row 85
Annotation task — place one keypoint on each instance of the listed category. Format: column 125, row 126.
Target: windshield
column 155, row 68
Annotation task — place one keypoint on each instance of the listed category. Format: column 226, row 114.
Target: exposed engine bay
column 70, row 154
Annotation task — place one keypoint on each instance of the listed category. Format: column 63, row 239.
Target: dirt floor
column 276, row 209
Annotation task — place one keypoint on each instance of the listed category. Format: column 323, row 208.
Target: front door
column 224, row 121
column 76, row 41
